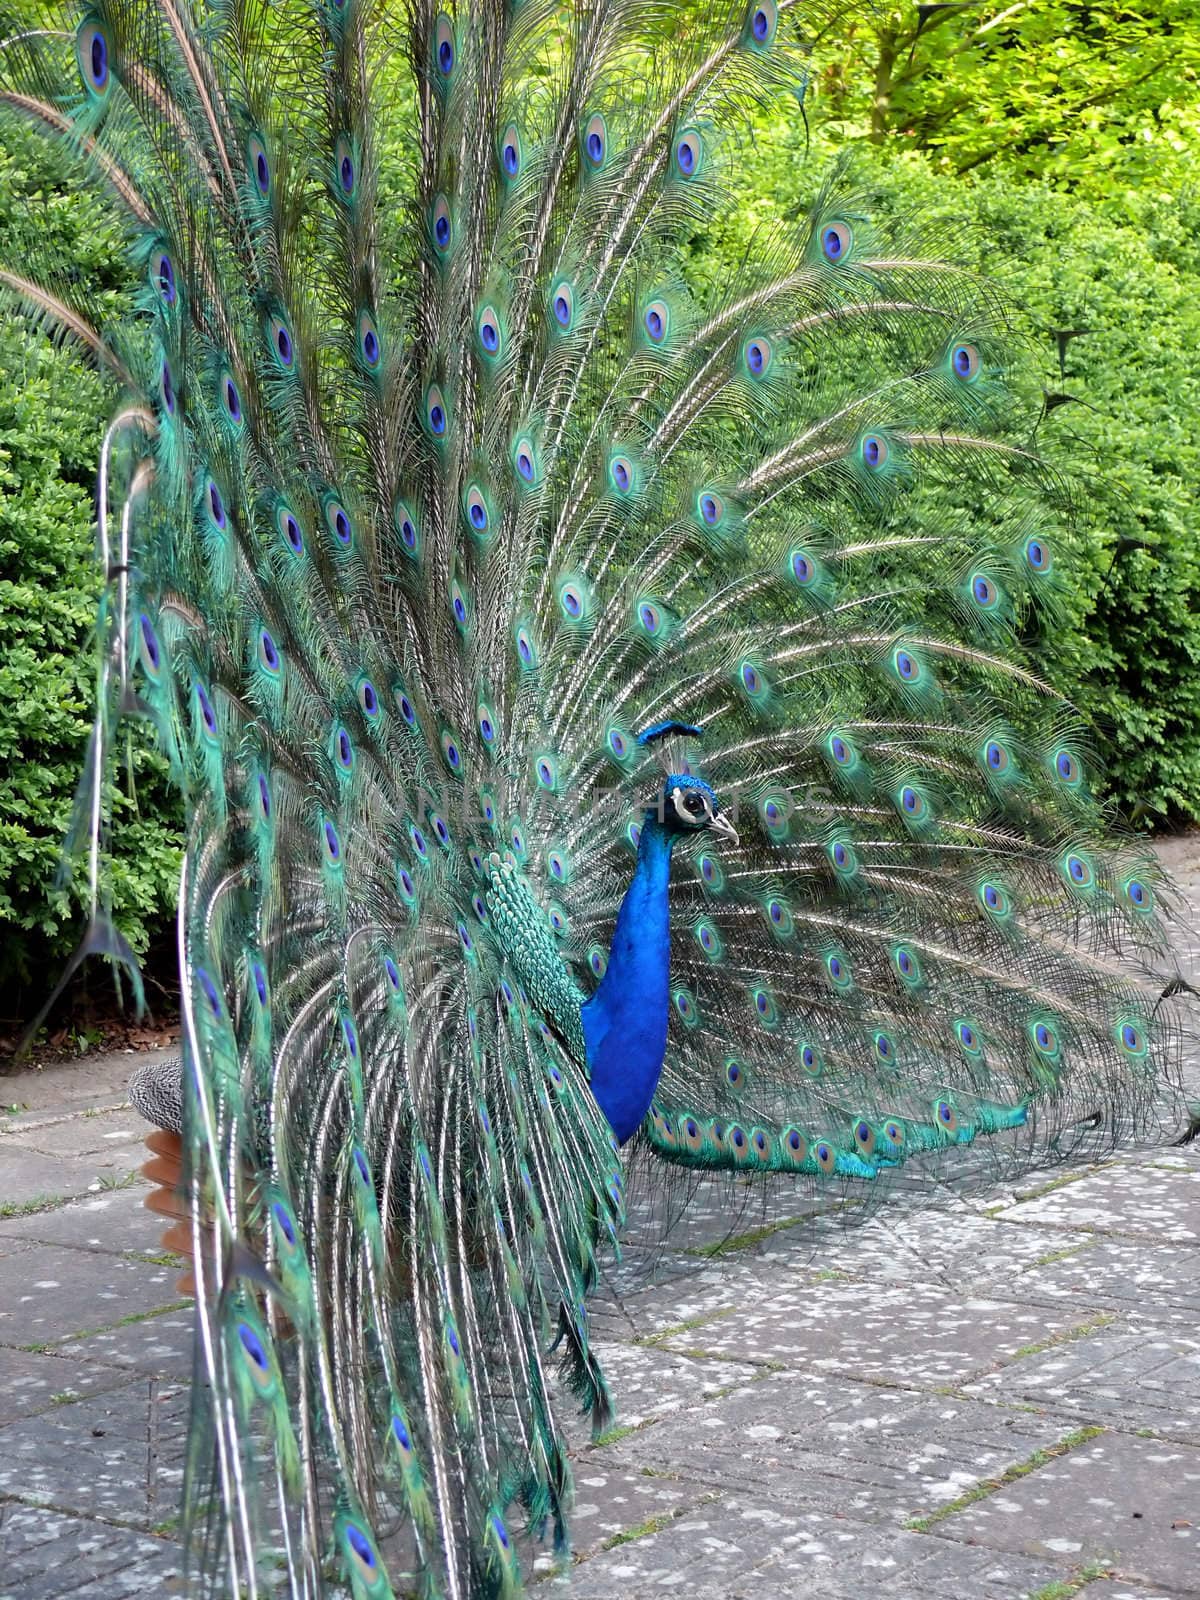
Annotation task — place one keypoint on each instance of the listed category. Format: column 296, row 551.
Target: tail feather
column 462, row 476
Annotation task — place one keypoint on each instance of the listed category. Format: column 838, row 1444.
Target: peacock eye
column 694, row 805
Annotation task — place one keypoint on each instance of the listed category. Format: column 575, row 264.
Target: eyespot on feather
column 258, row 164
column 562, row 306
column 478, row 512
column 512, row 154
column 445, row 47
column 405, row 522
column 94, row 55
column 162, row 277
column 825, row 1157
column 758, row 356
column 435, row 412
column 874, row 452
column 1066, row 768
column 1038, row 554
column 280, row 342
column 345, row 169
column 214, row 507
column 231, row 400
column 527, row 462
column 149, row 650
column 688, row 154
column 441, row 226
column 837, row 968
column 594, row 142
column 656, row 321
column 762, row 23
column 1138, row 895
column 994, row 899
column 369, row 345
column 489, row 333
column 837, row 241
column 984, row 592
column 623, row 475
column 338, row 522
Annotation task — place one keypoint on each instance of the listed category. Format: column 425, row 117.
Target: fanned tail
column 439, row 505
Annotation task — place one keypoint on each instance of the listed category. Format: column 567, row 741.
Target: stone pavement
column 999, row 1398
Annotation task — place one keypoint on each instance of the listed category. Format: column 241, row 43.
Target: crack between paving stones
column 7, row 1497
column 1097, row 1231
column 55, row 1346
column 75, row 1397
column 1011, row 1474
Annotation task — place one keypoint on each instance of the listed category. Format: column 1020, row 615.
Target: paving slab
column 51, row 1293
column 1141, row 1379
column 1119, row 1200
column 612, row 1501
column 702, row 1553
column 48, row 1554
column 739, row 1548
column 959, row 1246
column 115, row 1221
column 865, row 1452
column 116, row 1456
column 1133, row 1503
column 1136, row 1280
column 94, row 1132
column 155, row 1346
column 32, row 1382
column 28, row 1178
column 901, row 1567
column 84, row 1083
column 655, row 1382
column 914, row 1333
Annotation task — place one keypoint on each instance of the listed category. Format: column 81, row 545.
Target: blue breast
column 625, row 1021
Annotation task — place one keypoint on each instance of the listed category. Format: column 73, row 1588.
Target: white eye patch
column 692, row 806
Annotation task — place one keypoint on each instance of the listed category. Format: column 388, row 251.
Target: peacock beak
column 726, row 828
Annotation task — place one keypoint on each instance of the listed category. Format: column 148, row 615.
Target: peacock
column 606, row 703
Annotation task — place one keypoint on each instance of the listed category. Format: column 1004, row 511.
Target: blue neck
column 625, row 1021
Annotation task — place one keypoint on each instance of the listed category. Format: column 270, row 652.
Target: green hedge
column 53, row 412
column 1128, row 270
column 1128, row 654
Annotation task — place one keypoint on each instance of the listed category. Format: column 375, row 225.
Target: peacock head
column 689, row 805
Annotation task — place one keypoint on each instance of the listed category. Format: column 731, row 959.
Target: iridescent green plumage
column 443, row 482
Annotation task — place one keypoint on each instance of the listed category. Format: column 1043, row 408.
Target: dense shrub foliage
column 52, row 416
column 1124, row 265
column 1126, row 270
